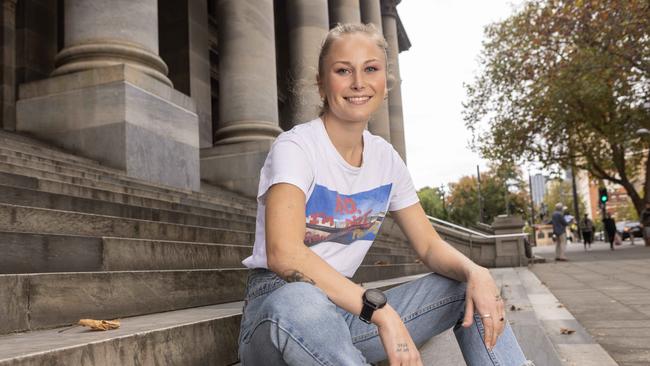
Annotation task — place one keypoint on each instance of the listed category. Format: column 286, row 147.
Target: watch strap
column 366, row 313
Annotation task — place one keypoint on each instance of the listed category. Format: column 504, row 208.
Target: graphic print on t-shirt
column 345, row 219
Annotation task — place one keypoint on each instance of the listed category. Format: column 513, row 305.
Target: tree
column 564, row 83
column 431, row 200
column 463, row 204
column 560, row 191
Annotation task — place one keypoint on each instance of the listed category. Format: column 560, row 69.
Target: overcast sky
column 446, row 40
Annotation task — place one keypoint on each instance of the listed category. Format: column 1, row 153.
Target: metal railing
column 471, row 233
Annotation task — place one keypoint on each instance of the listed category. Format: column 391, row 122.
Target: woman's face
column 354, row 78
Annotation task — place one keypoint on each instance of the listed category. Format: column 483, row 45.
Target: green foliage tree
column 566, row 83
column 560, row 191
column 431, row 200
column 463, row 206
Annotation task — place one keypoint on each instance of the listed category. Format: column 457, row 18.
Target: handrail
column 472, row 232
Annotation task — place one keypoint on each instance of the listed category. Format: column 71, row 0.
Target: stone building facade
column 178, row 91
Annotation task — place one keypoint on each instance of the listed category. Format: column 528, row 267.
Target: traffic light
column 602, row 193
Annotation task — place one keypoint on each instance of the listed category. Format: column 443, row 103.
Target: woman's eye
column 343, row 71
column 371, row 69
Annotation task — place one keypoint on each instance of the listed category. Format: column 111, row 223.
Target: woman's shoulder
column 300, row 133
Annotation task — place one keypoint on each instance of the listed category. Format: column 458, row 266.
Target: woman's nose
column 357, row 82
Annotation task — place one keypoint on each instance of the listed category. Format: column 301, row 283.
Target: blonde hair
column 338, row 32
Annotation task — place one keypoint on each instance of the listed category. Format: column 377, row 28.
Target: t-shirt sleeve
column 287, row 162
column 403, row 193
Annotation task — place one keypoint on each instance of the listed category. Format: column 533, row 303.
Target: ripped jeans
column 296, row 324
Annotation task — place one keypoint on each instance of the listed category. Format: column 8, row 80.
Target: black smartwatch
column 373, row 299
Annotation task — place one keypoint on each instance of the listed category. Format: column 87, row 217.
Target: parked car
column 632, row 228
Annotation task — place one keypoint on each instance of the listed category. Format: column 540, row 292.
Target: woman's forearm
column 444, row 259
column 299, row 263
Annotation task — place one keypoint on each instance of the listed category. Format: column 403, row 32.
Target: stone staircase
column 81, row 240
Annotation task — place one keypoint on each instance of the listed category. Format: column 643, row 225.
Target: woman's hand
column 483, row 297
column 396, row 339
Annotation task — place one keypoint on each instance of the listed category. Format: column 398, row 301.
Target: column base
column 510, row 252
column 235, row 166
column 119, row 116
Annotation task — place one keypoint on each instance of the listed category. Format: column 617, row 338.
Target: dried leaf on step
column 566, row 331
column 100, row 324
column 560, row 306
column 381, row 263
column 514, row 308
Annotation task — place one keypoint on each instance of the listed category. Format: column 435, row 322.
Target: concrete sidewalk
column 608, row 292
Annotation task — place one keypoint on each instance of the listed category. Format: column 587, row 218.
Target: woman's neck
column 347, row 138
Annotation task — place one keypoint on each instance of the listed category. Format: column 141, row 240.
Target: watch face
column 376, row 297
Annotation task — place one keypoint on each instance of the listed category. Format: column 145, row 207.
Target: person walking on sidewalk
column 587, row 227
column 559, row 230
column 610, row 230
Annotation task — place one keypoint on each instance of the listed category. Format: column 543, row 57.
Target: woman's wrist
column 381, row 317
column 472, row 269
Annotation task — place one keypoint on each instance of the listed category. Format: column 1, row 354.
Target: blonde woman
column 324, row 189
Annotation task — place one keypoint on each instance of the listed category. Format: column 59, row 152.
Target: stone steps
column 199, row 336
column 26, row 146
column 112, row 187
column 73, row 190
column 117, row 178
column 47, row 300
column 46, row 221
column 34, row 198
column 43, row 253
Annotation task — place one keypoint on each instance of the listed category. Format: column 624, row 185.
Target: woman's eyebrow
column 350, row 63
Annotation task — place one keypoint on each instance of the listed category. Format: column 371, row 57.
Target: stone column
column 248, row 99
column 109, row 98
column 379, row 122
column 107, row 33
column 248, row 102
column 8, row 65
column 308, row 25
column 389, row 25
column 184, row 46
column 344, row 11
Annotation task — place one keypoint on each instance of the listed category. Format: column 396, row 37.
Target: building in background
column 178, row 91
column 538, row 182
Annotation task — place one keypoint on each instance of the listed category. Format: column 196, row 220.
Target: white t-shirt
column 345, row 205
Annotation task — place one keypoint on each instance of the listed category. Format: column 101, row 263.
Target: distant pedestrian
column 559, row 230
column 610, row 230
column 645, row 223
column 587, row 227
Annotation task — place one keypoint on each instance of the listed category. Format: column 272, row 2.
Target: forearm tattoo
column 297, row 276
column 402, row 347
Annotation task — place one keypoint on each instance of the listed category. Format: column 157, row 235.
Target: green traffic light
column 603, row 198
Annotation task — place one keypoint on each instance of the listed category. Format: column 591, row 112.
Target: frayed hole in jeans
column 528, row 363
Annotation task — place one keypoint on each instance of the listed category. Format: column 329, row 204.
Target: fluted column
column 248, row 102
column 344, row 11
column 308, row 24
column 389, row 25
column 106, row 33
column 8, row 65
column 379, row 122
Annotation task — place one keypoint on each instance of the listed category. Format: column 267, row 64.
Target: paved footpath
column 608, row 292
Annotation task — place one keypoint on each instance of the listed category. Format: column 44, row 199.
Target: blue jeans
column 296, row 324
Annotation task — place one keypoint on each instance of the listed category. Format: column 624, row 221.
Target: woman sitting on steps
column 324, row 189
